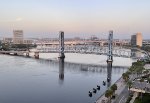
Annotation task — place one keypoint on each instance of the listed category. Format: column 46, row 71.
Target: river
column 28, row 80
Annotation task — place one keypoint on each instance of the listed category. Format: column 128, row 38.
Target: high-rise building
column 136, row 40
column 18, row 36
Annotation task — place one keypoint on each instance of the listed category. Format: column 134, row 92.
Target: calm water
column 26, row 80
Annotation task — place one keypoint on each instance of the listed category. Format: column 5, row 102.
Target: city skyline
column 84, row 18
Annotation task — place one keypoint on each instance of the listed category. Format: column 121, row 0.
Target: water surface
column 27, row 80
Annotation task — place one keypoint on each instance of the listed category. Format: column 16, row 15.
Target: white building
column 18, row 36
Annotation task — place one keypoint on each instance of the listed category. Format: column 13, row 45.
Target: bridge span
column 110, row 51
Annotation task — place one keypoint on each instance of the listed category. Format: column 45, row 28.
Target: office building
column 136, row 40
column 18, row 36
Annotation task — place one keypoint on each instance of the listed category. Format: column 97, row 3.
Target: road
column 123, row 96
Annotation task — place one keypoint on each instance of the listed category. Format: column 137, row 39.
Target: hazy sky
column 45, row 18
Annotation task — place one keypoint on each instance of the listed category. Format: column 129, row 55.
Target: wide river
column 27, row 80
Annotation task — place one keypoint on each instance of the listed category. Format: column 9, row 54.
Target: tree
column 113, row 88
column 5, row 46
column 146, row 72
column 125, row 76
column 129, row 83
column 108, row 94
column 139, row 70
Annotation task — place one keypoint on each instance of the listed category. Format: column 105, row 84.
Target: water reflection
column 61, row 70
column 82, row 68
column 109, row 73
column 46, row 81
column 135, row 53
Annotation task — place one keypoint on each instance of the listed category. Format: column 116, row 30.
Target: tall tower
column 61, row 45
column 110, row 45
column 136, row 40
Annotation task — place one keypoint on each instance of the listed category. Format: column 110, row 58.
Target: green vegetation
column 129, row 99
column 137, row 69
column 145, row 99
column 111, row 92
column 129, row 83
column 5, row 46
column 125, row 76
column 146, row 48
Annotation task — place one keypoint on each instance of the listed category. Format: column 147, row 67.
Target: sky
column 45, row 18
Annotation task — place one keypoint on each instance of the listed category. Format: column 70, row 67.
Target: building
column 28, row 42
column 18, row 36
column 146, row 43
column 136, row 40
column 7, row 40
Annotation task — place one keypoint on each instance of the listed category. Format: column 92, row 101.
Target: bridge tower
column 110, row 47
column 61, row 45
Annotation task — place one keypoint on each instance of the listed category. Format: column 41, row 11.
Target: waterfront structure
column 18, row 37
column 136, row 40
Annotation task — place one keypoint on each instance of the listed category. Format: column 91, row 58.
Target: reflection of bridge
column 84, row 67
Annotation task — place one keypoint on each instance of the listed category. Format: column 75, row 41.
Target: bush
column 129, row 99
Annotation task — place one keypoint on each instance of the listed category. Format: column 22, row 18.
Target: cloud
column 19, row 19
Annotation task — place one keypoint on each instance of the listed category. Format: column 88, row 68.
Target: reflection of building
column 18, row 37
column 136, row 53
column 136, row 40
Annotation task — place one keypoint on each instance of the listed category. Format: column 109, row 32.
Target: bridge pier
column 36, row 55
column 61, row 45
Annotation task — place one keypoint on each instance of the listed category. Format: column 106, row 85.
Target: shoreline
column 102, row 97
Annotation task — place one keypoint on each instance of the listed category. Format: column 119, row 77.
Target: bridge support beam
column 61, row 45
column 110, row 44
column 36, row 55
